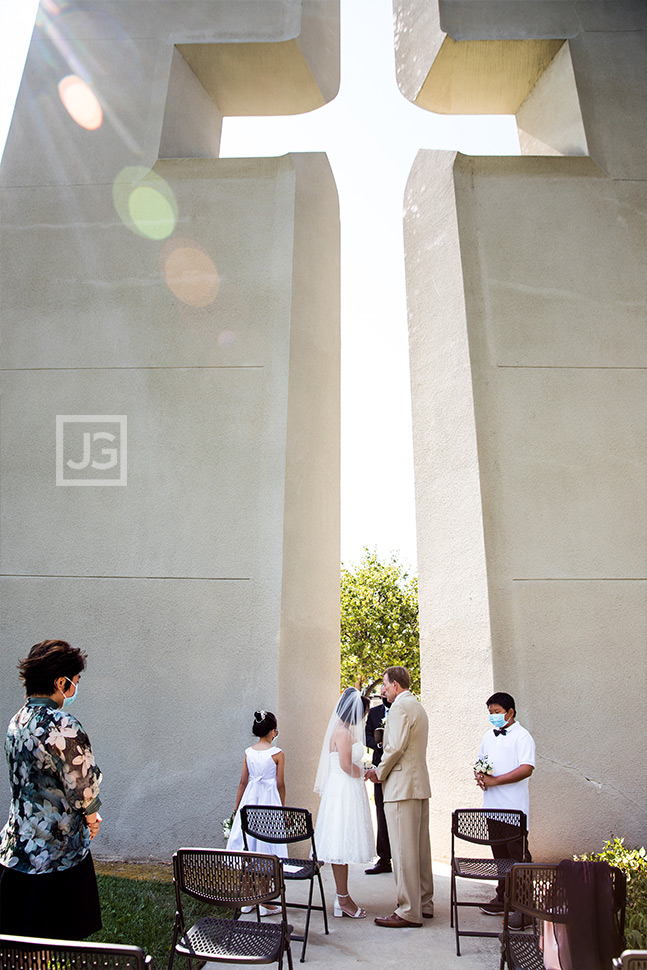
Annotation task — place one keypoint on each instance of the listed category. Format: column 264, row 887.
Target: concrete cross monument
column 193, row 301
column 527, row 293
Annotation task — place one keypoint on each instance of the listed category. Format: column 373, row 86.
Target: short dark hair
column 264, row 722
column 399, row 675
column 506, row 701
column 45, row 662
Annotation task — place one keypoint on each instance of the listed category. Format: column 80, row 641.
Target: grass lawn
column 138, row 908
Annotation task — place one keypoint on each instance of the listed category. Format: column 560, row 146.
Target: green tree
column 379, row 622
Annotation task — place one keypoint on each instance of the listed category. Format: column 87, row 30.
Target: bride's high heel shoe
column 339, row 912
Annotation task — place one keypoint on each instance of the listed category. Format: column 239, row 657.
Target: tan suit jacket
column 403, row 769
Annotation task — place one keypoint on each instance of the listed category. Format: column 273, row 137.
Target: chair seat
column 235, row 939
column 523, row 952
column 307, row 868
column 482, row 868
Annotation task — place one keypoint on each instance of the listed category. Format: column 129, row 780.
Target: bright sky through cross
column 371, row 134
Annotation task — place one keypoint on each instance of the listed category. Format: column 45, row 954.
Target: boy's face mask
column 497, row 720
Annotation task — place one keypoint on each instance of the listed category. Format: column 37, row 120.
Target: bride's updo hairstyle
column 264, row 722
column 352, row 706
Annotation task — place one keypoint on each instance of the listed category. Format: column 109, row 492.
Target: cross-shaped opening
column 281, row 97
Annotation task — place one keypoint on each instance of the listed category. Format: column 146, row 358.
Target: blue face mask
column 497, row 720
column 68, row 701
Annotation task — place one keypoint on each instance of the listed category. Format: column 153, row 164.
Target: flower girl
column 262, row 782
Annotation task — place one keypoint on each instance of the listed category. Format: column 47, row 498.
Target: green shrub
column 633, row 863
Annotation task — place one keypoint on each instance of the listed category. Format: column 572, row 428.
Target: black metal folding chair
column 531, row 889
column 280, row 825
column 482, row 826
column 229, row 880
column 32, row 953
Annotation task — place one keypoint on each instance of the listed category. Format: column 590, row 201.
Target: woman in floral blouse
column 47, row 883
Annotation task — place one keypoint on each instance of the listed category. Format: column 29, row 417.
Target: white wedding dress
column 344, row 832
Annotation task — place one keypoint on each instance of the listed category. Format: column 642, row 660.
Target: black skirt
column 61, row 905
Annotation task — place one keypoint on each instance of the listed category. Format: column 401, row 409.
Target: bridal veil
column 349, row 711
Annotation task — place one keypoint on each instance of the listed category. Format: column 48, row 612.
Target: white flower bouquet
column 483, row 766
column 226, row 826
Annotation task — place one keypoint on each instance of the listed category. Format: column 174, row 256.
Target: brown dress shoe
column 395, row 921
column 427, row 915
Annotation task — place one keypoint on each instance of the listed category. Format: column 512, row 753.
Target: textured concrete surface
column 358, row 943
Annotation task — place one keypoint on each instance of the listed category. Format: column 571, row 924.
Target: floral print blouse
column 54, row 785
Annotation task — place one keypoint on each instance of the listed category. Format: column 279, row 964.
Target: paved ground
column 357, row 943
column 360, row 943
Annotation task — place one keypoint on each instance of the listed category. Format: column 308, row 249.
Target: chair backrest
column 488, row 826
column 276, row 824
column 31, row 953
column 632, row 960
column 538, row 890
column 535, row 890
column 226, row 879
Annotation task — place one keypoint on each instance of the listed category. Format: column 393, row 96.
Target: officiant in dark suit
column 374, row 721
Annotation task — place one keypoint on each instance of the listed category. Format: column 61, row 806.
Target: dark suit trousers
column 506, row 850
column 382, row 843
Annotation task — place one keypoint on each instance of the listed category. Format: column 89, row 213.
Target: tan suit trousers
column 408, row 824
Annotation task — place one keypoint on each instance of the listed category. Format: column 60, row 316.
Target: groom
column 405, row 785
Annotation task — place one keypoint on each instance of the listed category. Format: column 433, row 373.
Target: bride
column 343, row 832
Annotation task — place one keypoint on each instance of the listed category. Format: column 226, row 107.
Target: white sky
column 371, row 135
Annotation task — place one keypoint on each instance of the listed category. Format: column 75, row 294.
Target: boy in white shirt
column 511, row 750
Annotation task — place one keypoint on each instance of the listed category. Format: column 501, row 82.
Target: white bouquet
column 483, row 767
column 226, row 826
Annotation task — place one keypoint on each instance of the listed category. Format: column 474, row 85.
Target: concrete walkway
column 357, row 943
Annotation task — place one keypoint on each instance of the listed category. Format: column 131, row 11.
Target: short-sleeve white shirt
column 506, row 752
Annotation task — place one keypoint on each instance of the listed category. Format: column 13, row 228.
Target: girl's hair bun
column 264, row 722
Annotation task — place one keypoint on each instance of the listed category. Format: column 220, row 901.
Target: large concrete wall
column 527, row 296
column 192, row 588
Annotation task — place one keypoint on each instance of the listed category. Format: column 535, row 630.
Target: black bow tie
column 502, row 731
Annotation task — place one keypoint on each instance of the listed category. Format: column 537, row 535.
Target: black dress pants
column 512, row 849
column 383, row 845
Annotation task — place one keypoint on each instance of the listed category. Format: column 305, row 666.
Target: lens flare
column 80, row 102
column 151, row 212
column 145, row 202
column 189, row 273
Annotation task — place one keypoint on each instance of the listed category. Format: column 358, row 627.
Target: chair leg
column 323, row 903
column 173, row 942
column 452, row 890
column 458, row 939
column 307, row 926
